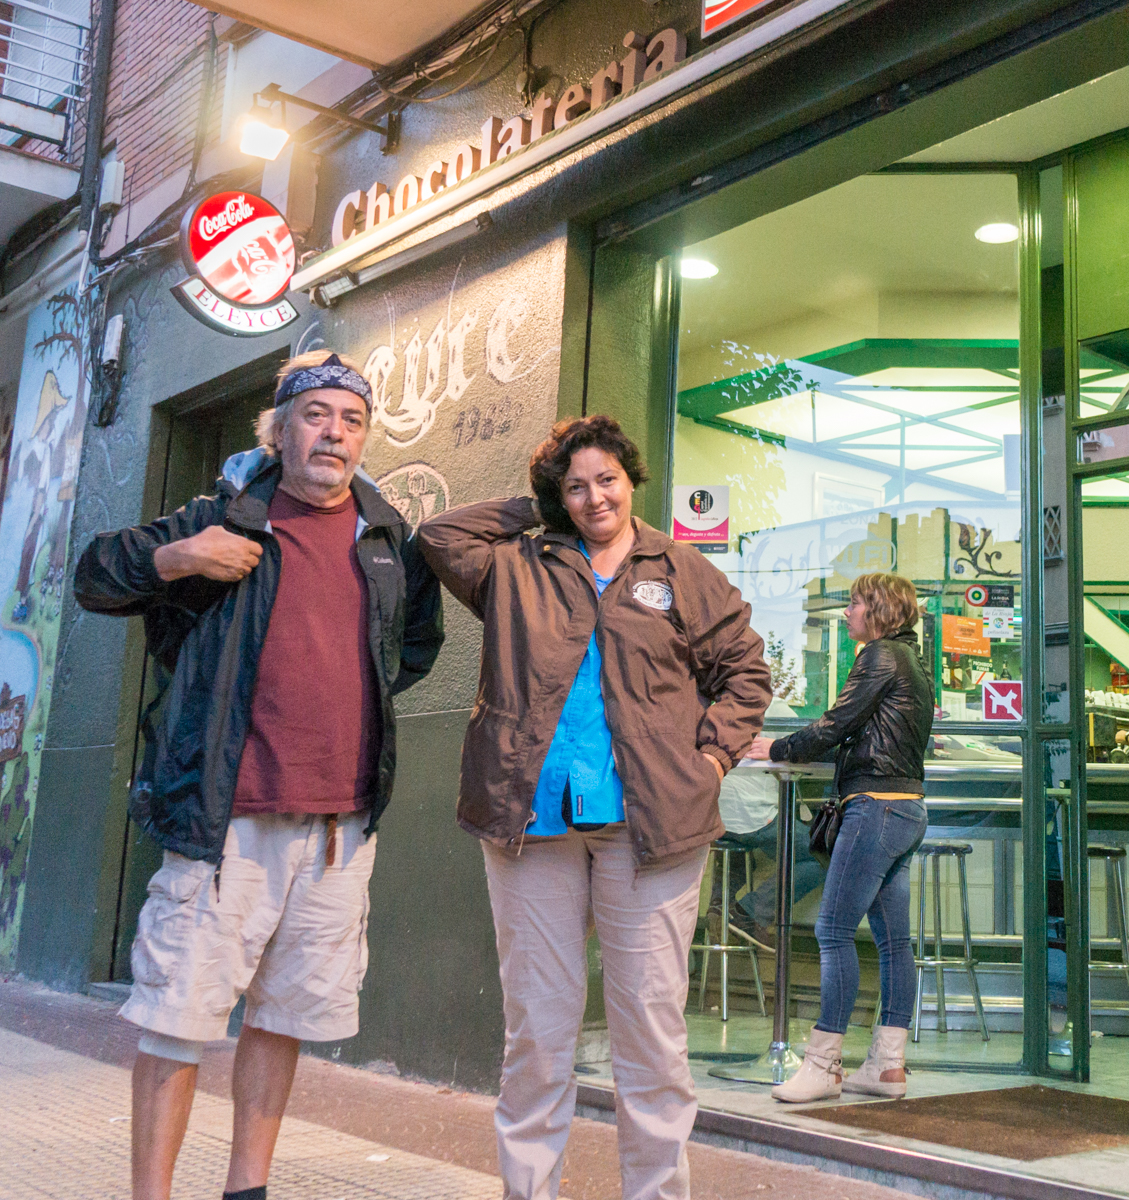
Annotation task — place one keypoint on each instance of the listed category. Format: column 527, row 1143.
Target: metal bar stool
column 1113, row 857
column 726, row 848
column 936, row 851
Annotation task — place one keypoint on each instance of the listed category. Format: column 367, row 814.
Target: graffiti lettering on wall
column 409, row 388
column 50, row 416
column 485, row 425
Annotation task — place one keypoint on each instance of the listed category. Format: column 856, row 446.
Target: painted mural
column 42, row 467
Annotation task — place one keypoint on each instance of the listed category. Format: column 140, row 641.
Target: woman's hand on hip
column 761, row 748
column 716, row 764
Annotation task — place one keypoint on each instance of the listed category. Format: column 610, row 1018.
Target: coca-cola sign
column 717, row 14
column 240, row 246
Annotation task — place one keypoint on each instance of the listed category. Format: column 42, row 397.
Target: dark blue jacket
column 210, row 635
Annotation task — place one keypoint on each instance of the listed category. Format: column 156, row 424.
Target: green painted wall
column 1102, row 260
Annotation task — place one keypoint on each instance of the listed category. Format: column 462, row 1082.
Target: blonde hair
column 891, row 602
column 270, row 422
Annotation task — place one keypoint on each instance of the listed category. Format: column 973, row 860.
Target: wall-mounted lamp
column 264, row 135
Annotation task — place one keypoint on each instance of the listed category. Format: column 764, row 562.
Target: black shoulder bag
column 824, row 828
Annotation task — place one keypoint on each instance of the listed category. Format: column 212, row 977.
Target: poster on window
column 701, row 516
column 964, row 635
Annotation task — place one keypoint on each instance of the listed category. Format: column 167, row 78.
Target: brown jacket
column 673, row 634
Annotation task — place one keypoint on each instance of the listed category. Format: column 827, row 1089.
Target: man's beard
column 326, row 473
column 320, row 473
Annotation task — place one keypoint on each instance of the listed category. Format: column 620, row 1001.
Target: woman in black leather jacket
column 880, row 723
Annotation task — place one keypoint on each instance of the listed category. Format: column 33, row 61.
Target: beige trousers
column 542, row 900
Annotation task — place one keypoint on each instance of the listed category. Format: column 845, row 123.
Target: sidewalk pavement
column 350, row 1134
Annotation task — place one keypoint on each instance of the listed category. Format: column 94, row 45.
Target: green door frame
column 1076, row 825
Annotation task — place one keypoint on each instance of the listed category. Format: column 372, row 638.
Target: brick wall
column 155, row 138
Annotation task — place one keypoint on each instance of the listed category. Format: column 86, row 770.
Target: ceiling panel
column 372, row 32
column 1089, row 111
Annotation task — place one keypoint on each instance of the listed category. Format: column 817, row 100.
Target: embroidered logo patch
column 653, row 595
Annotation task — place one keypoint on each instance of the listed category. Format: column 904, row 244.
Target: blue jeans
column 869, row 874
column 760, row 904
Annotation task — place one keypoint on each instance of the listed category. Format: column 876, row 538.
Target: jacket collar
column 254, row 476
column 649, row 542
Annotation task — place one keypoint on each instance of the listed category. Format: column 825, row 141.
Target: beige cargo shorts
column 283, row 927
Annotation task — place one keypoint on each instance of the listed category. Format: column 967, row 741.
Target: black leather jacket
column 880, row 722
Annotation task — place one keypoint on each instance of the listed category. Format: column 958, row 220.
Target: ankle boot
column 883, row 1073
column 821, row 1075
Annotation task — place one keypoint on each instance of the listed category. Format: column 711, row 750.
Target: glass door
column 849, row 400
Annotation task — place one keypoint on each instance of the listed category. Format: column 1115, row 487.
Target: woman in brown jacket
column 620, row 681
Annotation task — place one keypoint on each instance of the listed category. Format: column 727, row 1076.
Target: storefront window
column 848, row 402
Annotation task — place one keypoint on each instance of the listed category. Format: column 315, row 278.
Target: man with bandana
column 290, row 607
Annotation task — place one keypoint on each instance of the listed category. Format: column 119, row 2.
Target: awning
column 371, row 32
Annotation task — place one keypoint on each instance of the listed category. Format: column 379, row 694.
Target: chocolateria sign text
column 646, row 58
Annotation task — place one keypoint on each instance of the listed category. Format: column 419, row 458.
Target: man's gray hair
column 271, row 421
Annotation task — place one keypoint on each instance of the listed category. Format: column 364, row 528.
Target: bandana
column 331, row 374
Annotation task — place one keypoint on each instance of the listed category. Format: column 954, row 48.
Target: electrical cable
column 207, row 98
column 468, row 55
column 181, row 66
column 487, row 58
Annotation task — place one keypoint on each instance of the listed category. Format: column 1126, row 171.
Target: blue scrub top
column 580, row 753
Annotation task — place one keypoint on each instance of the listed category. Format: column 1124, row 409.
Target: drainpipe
column 90, row 178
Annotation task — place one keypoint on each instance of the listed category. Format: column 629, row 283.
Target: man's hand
column 213, row 553
column 760, row 749
column 716, row 765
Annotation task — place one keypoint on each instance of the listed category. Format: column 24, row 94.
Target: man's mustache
column 335, row 451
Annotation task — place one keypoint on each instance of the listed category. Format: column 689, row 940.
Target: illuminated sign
column 195, row 295
column 716, row 14
column 240, row 255
column 646, row 59
column 240, row 246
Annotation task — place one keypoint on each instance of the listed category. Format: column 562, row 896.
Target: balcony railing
column 43, row 57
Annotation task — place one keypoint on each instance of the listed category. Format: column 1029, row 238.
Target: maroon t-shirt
column 315, row 729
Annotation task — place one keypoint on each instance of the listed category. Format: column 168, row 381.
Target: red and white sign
column 716, row 14
column 195, row 295
column 240, row 255
column 1003, row 700
column 240, row 246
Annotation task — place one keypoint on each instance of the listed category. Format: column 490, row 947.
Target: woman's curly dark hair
column 551, row 460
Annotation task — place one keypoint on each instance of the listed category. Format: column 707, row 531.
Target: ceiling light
column 697, row 268
column 997, row 233
column 263, row 136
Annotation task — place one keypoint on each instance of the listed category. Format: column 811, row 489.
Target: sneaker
column 713, row 924
column 754, row 931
